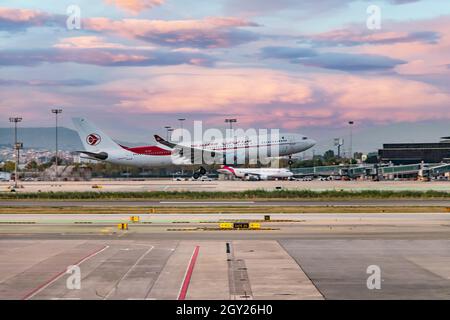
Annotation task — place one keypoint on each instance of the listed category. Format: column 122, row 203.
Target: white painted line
column 32, row 294
column 206, row 202
column 128, row 272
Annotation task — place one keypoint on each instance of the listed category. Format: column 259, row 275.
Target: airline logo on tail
column 227, row 168
column 93, row 139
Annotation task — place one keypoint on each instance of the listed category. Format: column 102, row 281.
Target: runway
column 181, row 203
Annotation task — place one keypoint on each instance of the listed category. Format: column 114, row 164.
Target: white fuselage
column 260, row 173
column 239, row 147
column 283, row 145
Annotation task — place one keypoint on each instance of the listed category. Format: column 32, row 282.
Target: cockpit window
column 305, row 138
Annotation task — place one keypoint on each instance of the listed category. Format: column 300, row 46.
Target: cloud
column 332, row 60
column 47, row 83
column 351, row 62
column 212, row 32
column 217, row 32
column 198, row 90
column 87, row 42
column 424, row 57
column 260, row 97
column 348, row 37
column 287, row 52
column 14, row 20
column 257, row 97
column 402, row 1
column 102, row 57
column 306, row 8
column 135, row 6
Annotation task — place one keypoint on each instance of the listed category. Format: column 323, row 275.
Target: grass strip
column 238, row 195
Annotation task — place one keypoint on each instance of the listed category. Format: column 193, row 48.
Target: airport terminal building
column 410, row 153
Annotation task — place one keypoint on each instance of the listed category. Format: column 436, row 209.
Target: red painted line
column 187, row 277
column 45, row 284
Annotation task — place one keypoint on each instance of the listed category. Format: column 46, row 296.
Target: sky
column 135, row 66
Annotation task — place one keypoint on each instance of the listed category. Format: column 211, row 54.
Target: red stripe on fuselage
column 149, row 150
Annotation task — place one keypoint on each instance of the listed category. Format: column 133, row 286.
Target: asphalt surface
column 144, row 203
column 301, row 256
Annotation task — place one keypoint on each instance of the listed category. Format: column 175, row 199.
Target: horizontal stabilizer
column 97, row 156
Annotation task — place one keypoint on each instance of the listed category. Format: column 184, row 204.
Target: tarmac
column 185, row 256
column 227, row 185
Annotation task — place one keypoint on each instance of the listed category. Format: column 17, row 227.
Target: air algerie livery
column 257, row 173
column 100, row 146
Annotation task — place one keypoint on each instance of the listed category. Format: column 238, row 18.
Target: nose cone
column 311, row 143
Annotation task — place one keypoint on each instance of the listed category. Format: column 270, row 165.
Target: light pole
column 182, row 132
column 231, row 121
column 181, row 122
column 181, row 126
column 167, row 131
column 56, row 112
column 17, row 147
column 351, row 138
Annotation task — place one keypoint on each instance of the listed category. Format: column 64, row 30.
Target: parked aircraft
column 257, row 173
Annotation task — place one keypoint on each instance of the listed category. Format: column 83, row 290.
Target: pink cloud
column 354, row 37
column 20, row 15
column 135, row 6
column 258, row 97
column 18, row 19
column 209, row 90
column 426, row 51
column 263, row 97
column 212, row 32
column 86, row 42
column 209, row 32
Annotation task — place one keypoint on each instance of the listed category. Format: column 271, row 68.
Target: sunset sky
column 138, row 65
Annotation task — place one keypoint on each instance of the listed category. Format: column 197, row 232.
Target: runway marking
column 188, row 275
column 207, row 202
column 128, row 272
column 60, row 274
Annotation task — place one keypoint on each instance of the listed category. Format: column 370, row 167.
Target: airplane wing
column 95, row 156
column 194, row 155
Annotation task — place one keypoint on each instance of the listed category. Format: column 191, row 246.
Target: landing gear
column 290, row 162
column 200, row 172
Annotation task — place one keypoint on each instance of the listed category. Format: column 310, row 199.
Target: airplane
column 258, row 173
column 99, row 146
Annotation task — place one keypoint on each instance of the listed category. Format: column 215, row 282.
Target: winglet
column 159, row 139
